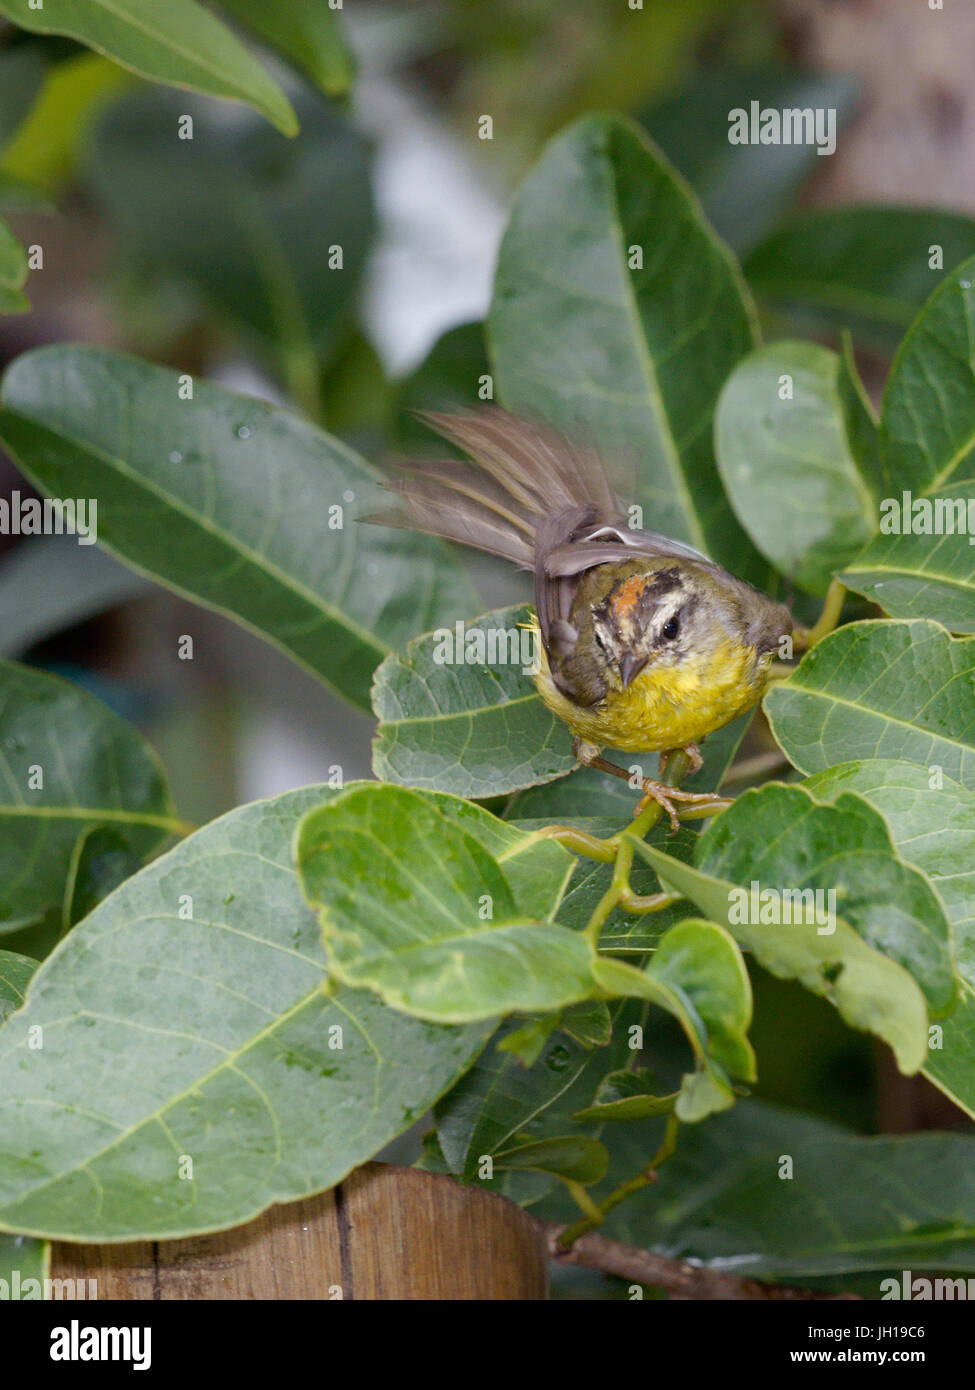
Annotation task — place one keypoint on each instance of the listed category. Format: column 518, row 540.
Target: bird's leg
column 665, row 796
column 692, row 753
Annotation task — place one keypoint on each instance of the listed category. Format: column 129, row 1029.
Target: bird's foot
column 665, row 796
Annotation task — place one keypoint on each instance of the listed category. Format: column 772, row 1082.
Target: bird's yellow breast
column 665, row 706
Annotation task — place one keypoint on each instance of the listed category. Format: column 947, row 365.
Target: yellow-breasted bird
column 646, row 645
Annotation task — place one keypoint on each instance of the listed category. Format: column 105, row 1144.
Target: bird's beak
column 630, row 668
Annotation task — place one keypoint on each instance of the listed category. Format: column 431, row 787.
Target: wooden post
column 384, row 1233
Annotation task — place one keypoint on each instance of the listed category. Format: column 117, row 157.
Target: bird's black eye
column 671, row 629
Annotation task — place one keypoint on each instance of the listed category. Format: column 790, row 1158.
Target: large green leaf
column 67, row 766
column 779, row 839
column 631, row 359
column 173, row 41
column 932, row 823
column 458, row 714
column 500, row 1097
column 744, row 188
column 184, row 1019
column 797, row 451
column 880, row 690
column 922, row 563
column 415, row 907
column 231, row 502
column 13, row 272
column 307, row 32
column 844, row 1203
column 697, row 974
column 864, row 268
column 258, row 216
column 15, row 972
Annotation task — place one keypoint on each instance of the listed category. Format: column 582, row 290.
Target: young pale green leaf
column 697, row 974
column 922, row 562
column 865, row 268
column 853, row 1203
column 416, row 908
column 259, row 219
column 307, row 33
column 618, row 315
column 185, row 1019
column 15, row 972
column 628, row 1095
column 459, row 712
column 244, row 507
column 13, row 272
column 880, row 690
column 67, row 766
column 499, row 1097
column 780, row 837
column 173, row 41
column 932, row 823
column 796, row 447
column 880, row 951
column 572, row 1157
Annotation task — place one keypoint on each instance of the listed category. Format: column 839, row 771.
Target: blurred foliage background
column 222, row 268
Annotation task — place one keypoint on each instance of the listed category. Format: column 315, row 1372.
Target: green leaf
column 697, row 974
column 473, row 728
column 928, row 442
column 800, row 471
column 631, row 359
column 24, row 1265
column 779, row 840
column 628, row 1095
column 932, row 823
column 258, row 217
column 864, row 268
column 415, row 907
column 231, row 502
column 572, row 1157
column 13, row 272
column 20, row 195
column 589, row 1023
column 185, row 1019
column 499, row 1098
column 173, row 41
column 723, row 1199
column 744, row 188
column 448, row 379
column 22, row 72
column 307, row 33
column 96, row 772
column 880, row 690
column 15, row 972
column 53, row 584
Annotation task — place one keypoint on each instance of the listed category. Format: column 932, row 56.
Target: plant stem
column 626, row 1189
column 828, row 618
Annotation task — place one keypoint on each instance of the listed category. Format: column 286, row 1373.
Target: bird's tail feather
column 522, row 476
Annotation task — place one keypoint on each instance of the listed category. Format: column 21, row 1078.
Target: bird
column 646, row 645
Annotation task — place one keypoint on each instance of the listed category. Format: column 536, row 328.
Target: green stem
column 626, row 1189
column 828, row 618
